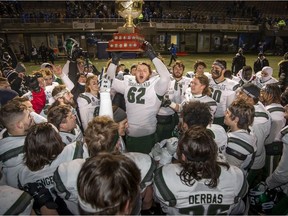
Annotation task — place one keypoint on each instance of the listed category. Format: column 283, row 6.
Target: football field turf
column 188, row 61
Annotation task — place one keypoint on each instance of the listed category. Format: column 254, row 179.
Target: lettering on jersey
column 46, row 181
column 206, row 199
column 217, row 86
column 133, row 83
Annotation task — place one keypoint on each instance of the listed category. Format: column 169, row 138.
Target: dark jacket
column 237, row 63
column 283, row 74
column 258, row 66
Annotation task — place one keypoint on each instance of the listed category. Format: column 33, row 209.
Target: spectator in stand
column 261, row 62
column 283, row 72
column 238, row 62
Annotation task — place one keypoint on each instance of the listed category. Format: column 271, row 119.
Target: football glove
column 149, row 50
column 41, row 195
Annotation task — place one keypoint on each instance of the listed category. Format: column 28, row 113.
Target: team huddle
column 201, row 143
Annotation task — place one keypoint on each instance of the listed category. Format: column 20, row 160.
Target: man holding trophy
column 143, row 92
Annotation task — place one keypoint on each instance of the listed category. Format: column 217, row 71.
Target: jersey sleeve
column 280, row 175
column 65, row 183
column 119, row 85
column 84, row 111
column 163, row 82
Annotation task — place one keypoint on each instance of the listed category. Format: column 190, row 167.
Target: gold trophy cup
column 128, row 38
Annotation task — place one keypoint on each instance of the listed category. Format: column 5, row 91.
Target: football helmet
column 262, row 199
column 70, row 46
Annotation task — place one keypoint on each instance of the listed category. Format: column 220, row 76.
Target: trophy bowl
column 128, row 38
column 129, row 10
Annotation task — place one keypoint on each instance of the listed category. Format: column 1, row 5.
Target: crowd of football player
column 208, row 141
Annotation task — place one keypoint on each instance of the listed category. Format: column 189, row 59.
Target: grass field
column 187, row 60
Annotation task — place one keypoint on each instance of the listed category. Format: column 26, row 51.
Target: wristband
column 173, row 105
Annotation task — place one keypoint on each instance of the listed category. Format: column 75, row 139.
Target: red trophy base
column 127, row 40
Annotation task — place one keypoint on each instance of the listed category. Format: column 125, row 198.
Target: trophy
column 128, row 38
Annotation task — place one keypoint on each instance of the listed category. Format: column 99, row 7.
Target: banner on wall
column 198, row 26
column 85, row 25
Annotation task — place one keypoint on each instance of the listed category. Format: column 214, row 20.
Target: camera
column 79, row 52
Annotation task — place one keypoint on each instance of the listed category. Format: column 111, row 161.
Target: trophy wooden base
column 127, row 40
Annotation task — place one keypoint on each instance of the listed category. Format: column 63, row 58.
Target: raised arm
column 63, row 74
column 111, row 70
column 162, row 70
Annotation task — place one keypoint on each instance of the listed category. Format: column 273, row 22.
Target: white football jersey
column 11, row 156
column 14, row 201
column 261, row 128
column 279, row 176
column 176, row 93
column 224, row 94
column 202, row 98
column 88, row 106
column 219, row 135
column 142, row 104
column 260, row 83
column 75, row 136
column 45, row 175
column 199, row 199
column 241, row 148
column 278, row 122
column 65, row 177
